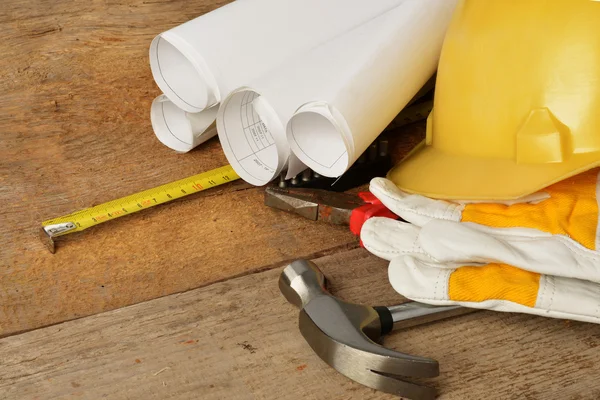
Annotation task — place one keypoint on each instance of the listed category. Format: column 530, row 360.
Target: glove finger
column 413, row 208
column 419, row 209
column 387, row 238
column 419, row 278
column 495, row 287
column 453, row 244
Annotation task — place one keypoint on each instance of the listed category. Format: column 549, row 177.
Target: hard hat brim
column 433, row 173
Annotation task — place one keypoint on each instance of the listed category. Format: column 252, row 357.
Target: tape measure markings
column 89, row 217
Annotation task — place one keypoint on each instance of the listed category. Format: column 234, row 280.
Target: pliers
column 323, row 205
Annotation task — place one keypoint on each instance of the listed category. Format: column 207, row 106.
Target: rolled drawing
column 392, row 57
column 334, row 100
column 198, row 63
column 179, row 129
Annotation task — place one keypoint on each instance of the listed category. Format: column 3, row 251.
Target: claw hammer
column 344, row 334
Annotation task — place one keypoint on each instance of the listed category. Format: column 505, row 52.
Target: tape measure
column 89, row 217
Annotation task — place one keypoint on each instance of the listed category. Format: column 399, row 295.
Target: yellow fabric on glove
column 571, row 210
column 494, row 281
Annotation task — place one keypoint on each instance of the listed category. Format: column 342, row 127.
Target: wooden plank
column 74, row 119
column 238, row 339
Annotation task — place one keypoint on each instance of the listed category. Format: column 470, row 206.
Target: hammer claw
column 395, row 385
column 368, row 363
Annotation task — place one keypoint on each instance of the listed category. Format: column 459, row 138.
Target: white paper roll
column 334, row 100
column 180, row 130
column 201, row 61
column 374, row 71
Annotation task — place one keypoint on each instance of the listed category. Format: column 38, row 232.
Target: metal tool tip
column 47, row 240
column 282, row 181
column 306, row 175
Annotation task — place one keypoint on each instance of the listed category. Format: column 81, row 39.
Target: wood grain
column 75, row 130
column 239, row 339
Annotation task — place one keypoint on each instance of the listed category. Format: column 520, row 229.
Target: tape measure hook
column 48, row 232
column 47, row 240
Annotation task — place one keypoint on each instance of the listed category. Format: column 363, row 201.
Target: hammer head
column 344, row 336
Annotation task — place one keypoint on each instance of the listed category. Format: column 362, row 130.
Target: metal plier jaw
column 331, row 207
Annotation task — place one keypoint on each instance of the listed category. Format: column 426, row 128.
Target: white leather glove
column 537, row 255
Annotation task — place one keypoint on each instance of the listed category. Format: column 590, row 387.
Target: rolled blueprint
column 179, row 129
column 331, row 102
column 201, row 61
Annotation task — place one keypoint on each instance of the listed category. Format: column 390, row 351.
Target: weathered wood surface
column 238, row 339
column 75, row 131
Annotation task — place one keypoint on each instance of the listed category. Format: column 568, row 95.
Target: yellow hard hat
column 517, row 101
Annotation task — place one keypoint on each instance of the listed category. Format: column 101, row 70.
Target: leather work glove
column 536, row 255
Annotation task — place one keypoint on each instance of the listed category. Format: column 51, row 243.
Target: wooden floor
column 238, row 339
column 181, row 301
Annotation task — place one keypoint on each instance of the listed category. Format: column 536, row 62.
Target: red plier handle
column 373, row 208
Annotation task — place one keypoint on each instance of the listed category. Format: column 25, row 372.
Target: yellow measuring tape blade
column 88, row 217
